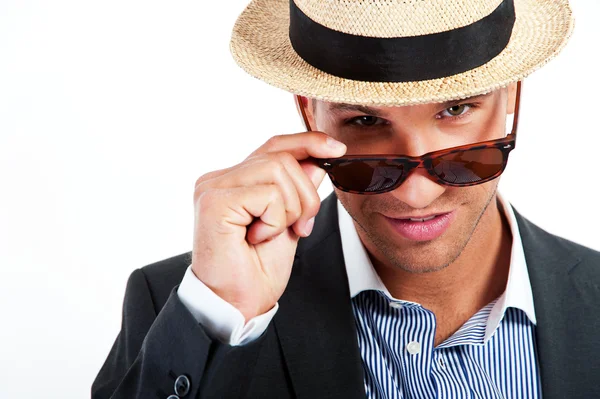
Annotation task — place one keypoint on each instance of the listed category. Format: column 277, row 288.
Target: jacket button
column 182, row 386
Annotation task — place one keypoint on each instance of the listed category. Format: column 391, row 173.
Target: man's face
column 416, row 130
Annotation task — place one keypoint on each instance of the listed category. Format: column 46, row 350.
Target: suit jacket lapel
column 567, row 303
column 315, row 323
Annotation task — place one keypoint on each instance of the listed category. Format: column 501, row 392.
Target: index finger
column 304, row 145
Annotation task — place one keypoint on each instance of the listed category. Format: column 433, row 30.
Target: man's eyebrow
column 450, row 103
column 341, row 107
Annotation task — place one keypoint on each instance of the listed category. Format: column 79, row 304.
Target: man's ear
column 512, row 98
column 305, row 108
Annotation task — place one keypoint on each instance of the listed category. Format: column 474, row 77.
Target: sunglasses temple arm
column 300, row 108
column 517, row 109
column 318, row 162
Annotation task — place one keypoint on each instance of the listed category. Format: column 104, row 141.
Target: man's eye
column 456, row 110
column 366, row 120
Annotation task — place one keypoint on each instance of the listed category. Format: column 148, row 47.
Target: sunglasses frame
column 505, row 144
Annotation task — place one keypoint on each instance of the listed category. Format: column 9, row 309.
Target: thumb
column 314, row 173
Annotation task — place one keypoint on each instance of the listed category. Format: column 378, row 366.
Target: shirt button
column 442, row 363
column 413, row 347
column 396, row 305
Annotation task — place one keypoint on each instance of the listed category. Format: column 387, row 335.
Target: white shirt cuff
column 221, row 319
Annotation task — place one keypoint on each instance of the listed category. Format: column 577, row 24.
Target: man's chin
column 420, row 265
column 421, row 256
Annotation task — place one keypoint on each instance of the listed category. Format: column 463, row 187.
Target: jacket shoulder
column 587, row 266
column 164, row 275
column 583, row 259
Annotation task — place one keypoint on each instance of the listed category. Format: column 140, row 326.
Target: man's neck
column 473, row 280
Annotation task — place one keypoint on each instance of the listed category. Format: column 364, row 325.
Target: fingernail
column 333, row 143
column 308, row 227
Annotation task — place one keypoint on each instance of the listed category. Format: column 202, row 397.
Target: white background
column 109, row 112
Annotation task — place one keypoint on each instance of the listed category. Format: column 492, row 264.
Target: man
column 416, row 279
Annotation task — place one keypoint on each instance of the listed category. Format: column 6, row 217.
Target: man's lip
column 422, row 230
column 418, row 216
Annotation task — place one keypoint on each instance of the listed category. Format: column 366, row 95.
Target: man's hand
column 248, row 219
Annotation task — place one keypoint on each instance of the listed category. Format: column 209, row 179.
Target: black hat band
column 401, row 59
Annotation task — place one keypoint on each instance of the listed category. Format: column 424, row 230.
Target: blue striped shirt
column 399, row 360
column 493, row 355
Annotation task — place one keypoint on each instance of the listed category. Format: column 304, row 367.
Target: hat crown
column 396, row 18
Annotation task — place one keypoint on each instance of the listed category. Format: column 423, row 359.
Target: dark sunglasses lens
column 469, row 166
column 366, row 176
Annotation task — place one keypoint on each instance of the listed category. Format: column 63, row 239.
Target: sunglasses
column 462, row 166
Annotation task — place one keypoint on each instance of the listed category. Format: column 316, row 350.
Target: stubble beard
column 423, row 257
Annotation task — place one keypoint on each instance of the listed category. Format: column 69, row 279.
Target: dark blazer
column 310, row 349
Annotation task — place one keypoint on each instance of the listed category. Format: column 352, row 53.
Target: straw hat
column 397, row 52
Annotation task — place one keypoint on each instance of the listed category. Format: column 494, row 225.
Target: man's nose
column 418, row 190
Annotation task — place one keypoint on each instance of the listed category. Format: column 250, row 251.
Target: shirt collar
column 362, row 275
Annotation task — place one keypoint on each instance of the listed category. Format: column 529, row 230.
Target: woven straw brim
column 260, row 44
